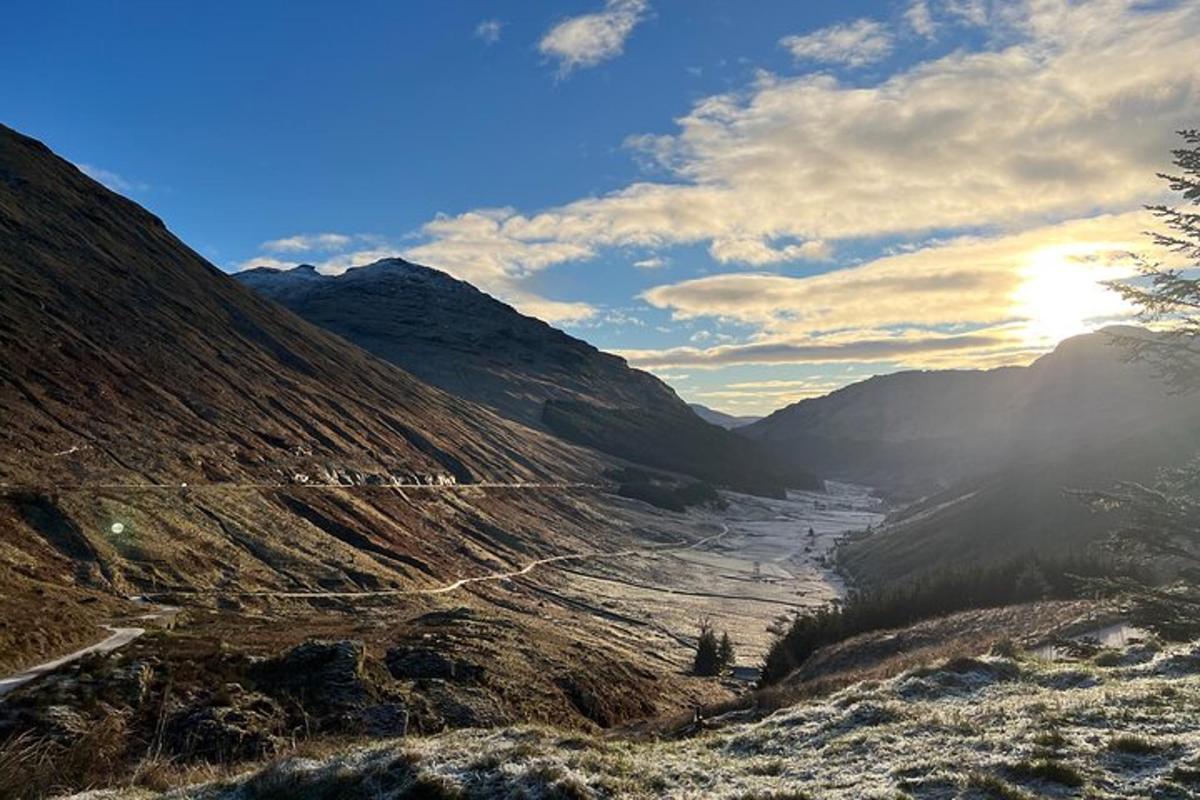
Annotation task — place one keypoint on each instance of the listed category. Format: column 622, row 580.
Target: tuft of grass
column 1186, row 774
column 1133, row 745
column 35, row 767
column 771, row 767
column 993, row 788
column 1050, row 771
column 1051, row 739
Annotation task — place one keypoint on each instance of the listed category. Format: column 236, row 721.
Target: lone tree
column 708, row 651
column 1161, row 522
column 725, row 651
column 713, row 656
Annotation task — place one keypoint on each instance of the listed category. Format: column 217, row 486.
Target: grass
column 1014, row 737
column 1133, row 745
column 1050, row 771
column 1051, row 739
column 994, row 788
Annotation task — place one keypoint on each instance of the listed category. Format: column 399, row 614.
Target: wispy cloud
column 854, row 44
column 489, row 30
column 591, row 39
column 657, row 262
column 112, row 180
column 879, row 347
column 919, row 17
column 308, row 242
column 969, row 281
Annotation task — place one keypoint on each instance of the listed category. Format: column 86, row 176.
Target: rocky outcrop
column 248, row 725
column 419, row 663
column 324, row 675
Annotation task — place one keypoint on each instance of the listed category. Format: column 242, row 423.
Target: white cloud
column 926, row 17
column 971, row 12
column 759, row 252
column 590, row 39
column 489, row 30
column 1073, row 114
column 920, row 18
column 656, row 262
column 854, row 44
column 303, row 243
column 965, row 281
column 112, row 180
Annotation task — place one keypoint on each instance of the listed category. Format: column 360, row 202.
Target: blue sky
column 758, row 201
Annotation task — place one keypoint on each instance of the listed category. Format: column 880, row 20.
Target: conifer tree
column 1161, row 522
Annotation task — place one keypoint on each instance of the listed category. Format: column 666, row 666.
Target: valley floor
column 1122, row 723
column 765, row 563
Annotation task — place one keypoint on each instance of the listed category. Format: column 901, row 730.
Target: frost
column 990, row 727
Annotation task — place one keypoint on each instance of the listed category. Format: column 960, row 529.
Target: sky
column 759, row 202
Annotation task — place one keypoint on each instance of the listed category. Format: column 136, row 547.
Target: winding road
column 461, row 582
column 121, row 636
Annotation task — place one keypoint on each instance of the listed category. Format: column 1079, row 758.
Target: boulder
column 324, row 675
column 422, row 663
column 250, row 727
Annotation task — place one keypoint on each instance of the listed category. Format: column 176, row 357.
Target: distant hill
column 466, row 342
column 990, row 452
column 728, row 421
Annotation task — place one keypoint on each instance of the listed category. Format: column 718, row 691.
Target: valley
column 373, row 532
column 761, row 562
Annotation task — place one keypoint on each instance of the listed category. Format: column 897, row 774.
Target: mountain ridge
column 988, row 455
column 468, row 343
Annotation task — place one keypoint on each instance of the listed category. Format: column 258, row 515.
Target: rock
column 386, row 719
column 327, row 675
column 420, row 663
column 456, row 706
column 251, row 727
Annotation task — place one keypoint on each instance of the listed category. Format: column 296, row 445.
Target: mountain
column 921, row 431
column 110, row 325
column 449, row 333
column 166, row 428
column 720, row 418
column 989, row 453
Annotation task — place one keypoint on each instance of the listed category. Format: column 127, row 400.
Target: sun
column 1062, row 294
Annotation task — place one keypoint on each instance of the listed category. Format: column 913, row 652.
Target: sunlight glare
column 1061, row 293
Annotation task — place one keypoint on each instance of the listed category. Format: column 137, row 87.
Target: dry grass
column 35, row 767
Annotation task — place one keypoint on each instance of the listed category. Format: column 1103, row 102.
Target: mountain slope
column 990, row 452
column 449, row 333
column 166, row 428
column 922, row 431
column 729, row 421
column 109, row 326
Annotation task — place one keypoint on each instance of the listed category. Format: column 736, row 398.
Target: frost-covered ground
column 765, row 564
column 1123, row 724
